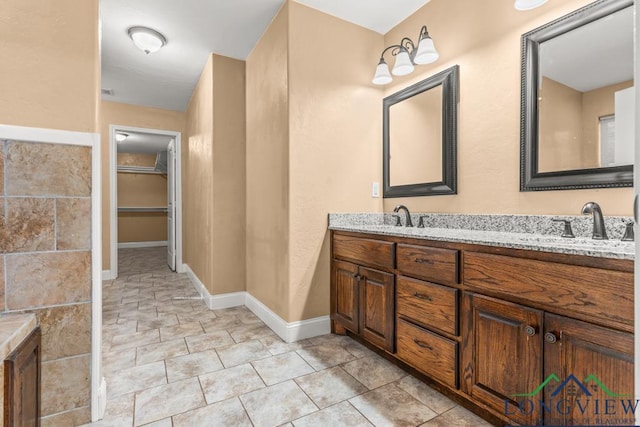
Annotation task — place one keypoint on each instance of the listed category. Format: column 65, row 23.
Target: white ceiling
column 593, row 56
column 143, row 143
column 194, row 28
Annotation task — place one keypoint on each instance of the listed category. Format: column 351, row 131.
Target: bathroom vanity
column 504, row 327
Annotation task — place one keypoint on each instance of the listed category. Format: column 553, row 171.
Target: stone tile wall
column 45, row 264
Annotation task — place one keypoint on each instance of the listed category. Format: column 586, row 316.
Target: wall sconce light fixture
column 121, row 136
column 146, row 39
column 407, row 55
column 528, row 4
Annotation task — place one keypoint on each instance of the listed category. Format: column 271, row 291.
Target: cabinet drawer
column 428, row 304
column 433, row 264
column 370, row 252
column 584, row 292
column 427, row 352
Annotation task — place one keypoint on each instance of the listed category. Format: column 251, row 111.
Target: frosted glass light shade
column 427, row 52
column 382, row 76
column 528, row 4
column 403, row 64
column 121, row 136
column 146, row 39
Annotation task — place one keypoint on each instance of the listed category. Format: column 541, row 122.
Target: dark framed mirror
column 420, row 131
column 577, row 116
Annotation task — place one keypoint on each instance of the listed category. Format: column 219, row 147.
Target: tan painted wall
column 484, row 39
column 114, row 113
column 50, row 69
column 142, row 227
column 197, row 198
column 214, row 176
column 267, row 157
column 335, row 129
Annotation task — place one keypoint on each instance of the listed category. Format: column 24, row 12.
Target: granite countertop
column 495, row 230
column 14, row 328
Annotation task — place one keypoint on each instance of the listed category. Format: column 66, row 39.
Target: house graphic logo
column 589, row 400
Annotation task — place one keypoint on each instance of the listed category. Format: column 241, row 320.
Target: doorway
column 139, row 155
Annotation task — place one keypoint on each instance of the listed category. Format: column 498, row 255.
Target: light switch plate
column 375, row 189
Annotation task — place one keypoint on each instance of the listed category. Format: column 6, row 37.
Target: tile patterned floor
column 170, row 361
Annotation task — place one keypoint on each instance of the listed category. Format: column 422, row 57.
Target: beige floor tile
column 227, row 383
column 162, row 423
column 342, row 414
column 160, row 322
column 192, row 365
column 330, row 386
column 374, row 371
column 277, row 404
column 459, row 417
column 122, row 342
column 164, row 401
column 114, row 361
column 221, row 323
column 390, row 406
column 277, row 369
column 276, row 345
column 325, row 356
column 425, row 394
column 118, row 413
column 160, row 351
column 136, row 379
column 180, row 331
column 228, row 413
column 249, row 332
column 238, row 354
column 209, row 341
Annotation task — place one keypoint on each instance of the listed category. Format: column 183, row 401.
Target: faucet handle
column 629, row 235
column 421, row 222
column 568, row 232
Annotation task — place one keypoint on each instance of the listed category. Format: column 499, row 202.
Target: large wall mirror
column 577, row 127
column 420, row 138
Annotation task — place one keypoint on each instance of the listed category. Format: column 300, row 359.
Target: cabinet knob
column 530, row 330
column 422, row 296
column 550, row 337
column 356, row 276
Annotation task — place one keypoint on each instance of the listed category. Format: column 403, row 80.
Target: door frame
column 113, row 193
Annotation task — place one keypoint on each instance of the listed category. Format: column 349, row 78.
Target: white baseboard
column 107, row 275
column 289, row 332
column 133, row 245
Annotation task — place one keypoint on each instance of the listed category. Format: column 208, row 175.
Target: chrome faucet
column 407, row 215
column 599, row 230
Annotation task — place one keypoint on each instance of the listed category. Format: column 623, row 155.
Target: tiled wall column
column 45, row 264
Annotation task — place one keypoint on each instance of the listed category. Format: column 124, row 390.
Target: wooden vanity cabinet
column 490, row 325
column 22, row 384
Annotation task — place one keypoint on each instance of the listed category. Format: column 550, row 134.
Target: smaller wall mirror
column 420, row 138
column 577, row 128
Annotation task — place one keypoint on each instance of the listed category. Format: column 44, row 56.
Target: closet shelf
column 145, row 209
column 140, row 169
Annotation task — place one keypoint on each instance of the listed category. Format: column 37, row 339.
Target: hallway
column 170, row 361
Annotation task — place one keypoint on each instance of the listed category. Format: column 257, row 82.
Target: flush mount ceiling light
column 120, row 136
column 146, row 39
column 528, row 4
column 407, row 55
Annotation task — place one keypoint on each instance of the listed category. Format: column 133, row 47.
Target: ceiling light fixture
column 528, row 4
column 407, row 55
column 146, row 39
column 121, row 136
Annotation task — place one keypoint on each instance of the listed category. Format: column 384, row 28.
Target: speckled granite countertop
column 14, row 328
column 531, row 232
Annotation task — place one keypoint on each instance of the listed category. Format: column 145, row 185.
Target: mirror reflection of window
column 415, row 127
column 586, row 76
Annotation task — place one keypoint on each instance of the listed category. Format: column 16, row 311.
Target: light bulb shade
column 121, row 136
column 528, row 4
column 382, row 76
column 403, row 64
column 146, row 39
column 427, row 52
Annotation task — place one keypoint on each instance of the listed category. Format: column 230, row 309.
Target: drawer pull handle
column 423, row 261
column 422, row 344
column 422, row 296
column 530, row 330
column 550, row 337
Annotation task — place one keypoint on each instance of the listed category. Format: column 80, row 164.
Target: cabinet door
column 590, row 372
column 502, row 354
column 22, row 384
column 377, row 296
column 345, row 295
